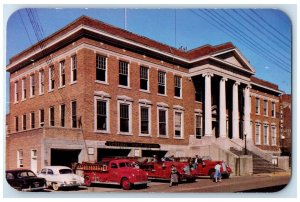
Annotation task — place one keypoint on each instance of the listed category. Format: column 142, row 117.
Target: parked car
column 113, row 171
column 25, row 180
column 162, row 170
column 207, row 168
column 60, row 176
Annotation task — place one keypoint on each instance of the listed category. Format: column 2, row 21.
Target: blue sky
column 262, row 35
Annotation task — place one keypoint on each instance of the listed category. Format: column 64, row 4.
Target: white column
column 222, row 108
column 207, row 115
column 247, row 113
column 235, row 111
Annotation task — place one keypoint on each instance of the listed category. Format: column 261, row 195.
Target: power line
column 28, row 36
column 240, row 38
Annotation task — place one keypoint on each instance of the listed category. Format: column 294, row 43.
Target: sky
column 262, row 35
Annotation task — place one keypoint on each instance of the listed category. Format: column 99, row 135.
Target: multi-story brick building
column 92, row 90
column 286, row 124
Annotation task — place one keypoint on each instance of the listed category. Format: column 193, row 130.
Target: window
column 74, row 114
column 73, row 68
column 17, row 123
column 266, row 134
column 62, row 72
column 102, row 115
column 41, row 81
column 162, row 83
column 265, row 107
column 32, row 85
column 198, row 126
column 273, row 132
column 24, row 121
column 23, row 89
column 51, row 78
column 273, row 109
column 177, row 86
column 52, row 123
column 198, row 90
column 144, row 118
column 124, row 118
column 100, row 68
column 62, row 115
column 178, row 124
column 257, row 105
column 20, row 158
column 16, row 92
column 123, row 73
column 144, row 77
column 32, row 120
column 162, row 122
column 257, row 134
column 42, row 118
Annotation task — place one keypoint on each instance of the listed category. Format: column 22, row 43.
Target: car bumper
column 143, row 182
column 34, row 188
column 70, row 185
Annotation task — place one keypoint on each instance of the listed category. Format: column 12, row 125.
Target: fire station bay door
column 64, row 157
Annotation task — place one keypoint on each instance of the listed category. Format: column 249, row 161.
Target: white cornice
column 265, row 87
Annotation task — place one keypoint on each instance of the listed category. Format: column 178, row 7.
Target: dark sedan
column 25, row 180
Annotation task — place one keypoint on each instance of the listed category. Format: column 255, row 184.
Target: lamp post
column 245, row 137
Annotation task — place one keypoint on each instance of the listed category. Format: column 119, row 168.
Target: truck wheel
column 125, row 183
column 226, row 176
column 87, row 181
column 211, row 174
column 55, row 186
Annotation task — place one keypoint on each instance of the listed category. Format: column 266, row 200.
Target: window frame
column 167, row 122
column 74, row 69
column 273, row 111
column 181, row 112
column 178, row 87
column 62, row 115
column 20, row 163
column 266, row 136
column 129, row 103
column 162, row 84
column 273, row 135
column 41, row 124
column 62, row 73
column 51, row 78
column 16, row 94
column 24, row 123
column 41, row 82
column 128, row 74
column 257, row 106
column 147, row 79
column 266, row 107
column 258, row 136
column 16, row 123
column 107, row 101
column 23, row 89
column 50, row 121
column 98, row 68
column 147, row 106
column 72, row 115
column 32, row 120
column 201, row 125
column 32, row 85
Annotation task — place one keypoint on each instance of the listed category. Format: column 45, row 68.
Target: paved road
column 203, row 185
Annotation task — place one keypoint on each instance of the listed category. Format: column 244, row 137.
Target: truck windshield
column 65, row 171
column 125, row 164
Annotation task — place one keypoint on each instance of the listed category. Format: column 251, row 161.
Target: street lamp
column 245, row 137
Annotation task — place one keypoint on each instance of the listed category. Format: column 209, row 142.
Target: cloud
column 267, row 67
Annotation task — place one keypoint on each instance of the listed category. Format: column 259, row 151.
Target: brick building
column 286, row 124
column 92, row 90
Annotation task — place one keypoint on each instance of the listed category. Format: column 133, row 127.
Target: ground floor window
column 20, row 158
column 266, row 134
column 257, row 133
column 273, row 132
column 198, row 126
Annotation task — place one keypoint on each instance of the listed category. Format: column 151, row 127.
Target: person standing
column 174, row 176
column 217, row 174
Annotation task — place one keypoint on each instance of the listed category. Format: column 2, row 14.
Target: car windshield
column 125, row 164
column 65, row 171
column 24, row 174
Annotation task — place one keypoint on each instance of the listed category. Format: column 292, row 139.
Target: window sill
column 73, row 82
column 145, row 91
column 164, row 95
column 23, row 99
column 199, row 102
column 16, row 102
column 41, row 94
column 60, row 87
column 125, row 87
column 31, row 96
column 161, row 136
column 145, row 135
column 125, row 134
column 179, row 98
column 50, row 91
column 178, row 138
column 102, row 132
column 101, row 82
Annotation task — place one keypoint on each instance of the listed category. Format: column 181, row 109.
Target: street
column 271, row 183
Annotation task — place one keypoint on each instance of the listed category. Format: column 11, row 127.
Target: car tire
column 125, row 183
column 87, row 181
column 55, row 186
column 226, row 176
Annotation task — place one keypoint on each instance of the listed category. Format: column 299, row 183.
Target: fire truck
column 114, row 172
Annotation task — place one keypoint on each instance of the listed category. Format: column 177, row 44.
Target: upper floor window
column 144, row 78
column 52, row 120
column 198, row 126
column 177, row 86
column 17, row 123
column 162, row 83
column 266, row 134
column 51, row 78
column 32, row 85
column 73, row 68
column 32, row 117
column 62, row 115
column 257, row 105
column 123, row 73
column 74, row 114
column 257, row 133
column 16, row 92
column 124, row 118
column 178, row 126
column 162, row 122
column 273, row 110
column 101, row 115
column 24, row 121
column 100, row 68
column 23, row 89
column 62, row 72
column 42, row 117
column 41, row 81
column 265, row 107
column 144, row 120
column 273, row 133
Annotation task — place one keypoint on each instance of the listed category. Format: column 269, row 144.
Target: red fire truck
column 162, row 170
column 115, row 171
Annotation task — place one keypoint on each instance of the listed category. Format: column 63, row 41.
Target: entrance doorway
column 64, row 157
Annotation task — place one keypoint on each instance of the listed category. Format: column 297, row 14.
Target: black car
column 25, row 180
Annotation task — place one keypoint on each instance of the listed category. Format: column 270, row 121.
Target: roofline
column 268, row 88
